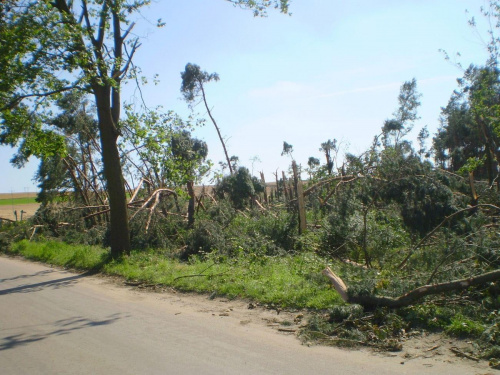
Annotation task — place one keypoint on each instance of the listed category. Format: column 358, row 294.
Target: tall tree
column 404, row 117
column 469, row 134
column 482, row 84
column 327, row 147
column 50, row 47
column 88, row 43
column 193, row 86
column 313, row 163
column 457, row 140
column 189, row 153
column 79, row 170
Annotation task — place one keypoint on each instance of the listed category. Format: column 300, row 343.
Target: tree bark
column 300, row 199
column 192, row 197
column 263, row 180
column 410, row 297
column 119, row 224
column 216, row 128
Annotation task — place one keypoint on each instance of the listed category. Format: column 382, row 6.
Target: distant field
column 17, row 195
column 10, row 202
column 16, row 201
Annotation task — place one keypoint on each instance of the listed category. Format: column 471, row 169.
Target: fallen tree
column 371, row 301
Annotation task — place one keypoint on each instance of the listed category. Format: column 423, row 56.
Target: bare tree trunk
column 216, row 128
column 492, row 152
column 263, row 180
column 119, row 225
column 192, row 197
column 300, row 199
column 277, row 184
column 365, row 238
column 285, row 189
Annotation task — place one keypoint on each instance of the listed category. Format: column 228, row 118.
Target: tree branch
column 18, row 99
column 409, row 298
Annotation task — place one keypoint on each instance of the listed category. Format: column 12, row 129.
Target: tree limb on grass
column 409, row 298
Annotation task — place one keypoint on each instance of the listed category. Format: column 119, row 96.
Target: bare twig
column 460, row 353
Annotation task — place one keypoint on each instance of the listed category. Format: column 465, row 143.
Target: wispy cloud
column 278, row 90
column 437, row 79
column 383, row 87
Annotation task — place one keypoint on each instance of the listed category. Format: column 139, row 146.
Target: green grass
column 17, row 201
column 290, row 281
column 461, row 326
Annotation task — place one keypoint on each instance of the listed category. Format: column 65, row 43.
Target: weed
column 461, row 326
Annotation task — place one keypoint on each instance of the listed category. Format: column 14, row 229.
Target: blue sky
column 331, row 70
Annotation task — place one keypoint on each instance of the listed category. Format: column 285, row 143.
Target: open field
column 17, row 202
column 4, row 196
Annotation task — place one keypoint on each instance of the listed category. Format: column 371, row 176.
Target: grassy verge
column 291, row 281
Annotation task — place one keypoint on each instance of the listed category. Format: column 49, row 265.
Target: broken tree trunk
column 285, row 192
column 277, row 184
column 300, row 198
column 263, row 180
column 409, row 298
column 192, row 199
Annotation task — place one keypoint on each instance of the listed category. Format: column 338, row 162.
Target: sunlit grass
column 287, row 281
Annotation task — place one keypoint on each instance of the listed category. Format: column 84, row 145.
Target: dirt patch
column 8, row 211
column 27, row 210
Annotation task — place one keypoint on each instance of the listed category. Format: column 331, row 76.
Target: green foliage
column 169, row 155
column 404, row 117
column 204, row 237
column 373, row 212
column 469, row 133
column 423, row 194
column 162, row 233
column 259, row 6
column 227, row 231
column 287, row 149
column 457, row 139
column 239, row 188
column 193, row 79
column 328, row 148
column 462, row 327
column 79, row 169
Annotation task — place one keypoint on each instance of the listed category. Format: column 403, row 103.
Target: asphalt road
column 57, row 322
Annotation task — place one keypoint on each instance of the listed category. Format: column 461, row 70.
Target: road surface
column 57, row 322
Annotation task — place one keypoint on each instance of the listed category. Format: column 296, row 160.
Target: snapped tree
column 193, row 86
column 51, row 47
